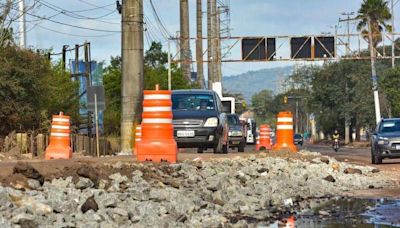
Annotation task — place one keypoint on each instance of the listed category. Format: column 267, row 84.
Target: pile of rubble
column 223, row 192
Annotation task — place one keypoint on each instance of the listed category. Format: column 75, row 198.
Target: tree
column 264, row 106
column 155, row 72
column 31, row 89
column 379, row 13
column 390, row 81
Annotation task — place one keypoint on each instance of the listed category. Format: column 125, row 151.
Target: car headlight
column 211, row 122
column 230, row 133
column 383, row 141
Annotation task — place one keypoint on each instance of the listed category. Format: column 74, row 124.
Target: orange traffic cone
column 157, row 143
column 59, row 147
column 264, row 141
column 291, row 222
column 138, row 136
column 284, row 132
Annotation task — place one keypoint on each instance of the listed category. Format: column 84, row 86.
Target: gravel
column 236, row 192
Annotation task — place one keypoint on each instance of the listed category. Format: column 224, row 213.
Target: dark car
column 298, row 139
column 236, row 133
column 385, row 141
column 199, row 120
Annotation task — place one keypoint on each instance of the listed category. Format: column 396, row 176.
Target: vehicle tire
column 375, row 159
column 218, row 148
column 225, row 149
column 241, row 146
column 200, row 150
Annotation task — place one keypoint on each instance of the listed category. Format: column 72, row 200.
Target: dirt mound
column 28, row 171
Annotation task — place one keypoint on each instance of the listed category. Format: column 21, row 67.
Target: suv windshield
column 297, row 136
column 390, row 126
column 192, row 102
column 232, row 120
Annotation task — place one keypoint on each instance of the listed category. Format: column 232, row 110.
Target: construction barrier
column 284, row 132
column 60, row 138
column 138, row 136
column 157, row 143
column 264, row 139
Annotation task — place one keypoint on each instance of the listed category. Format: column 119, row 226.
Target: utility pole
column 218, row 46
column 214, row 42
column 373, row 71
column 132, row 70
column 393, row 54
column 199, row 44
column 210, row 64
column 348, row 29
column 22, row 25
column 185, row 41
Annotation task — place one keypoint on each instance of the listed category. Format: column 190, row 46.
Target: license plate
column 235, row 142
column 185, row 134
column 397, row 147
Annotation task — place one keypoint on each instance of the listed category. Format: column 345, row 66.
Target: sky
column 248, row 18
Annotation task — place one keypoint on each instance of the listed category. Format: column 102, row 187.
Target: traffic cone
column 60, row 138
column 290, row 222
column 138, row 136
column 264, row 141
column 157, row 143
column 284, row 132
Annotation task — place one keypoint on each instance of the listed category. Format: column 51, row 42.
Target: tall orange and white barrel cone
column 138, row 136
column 157, row 143
column 60, row 138
column 264, row 139
column 284, row 132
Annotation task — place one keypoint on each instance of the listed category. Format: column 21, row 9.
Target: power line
column 160, row 24
column 71, row 13
column 74, row 26
column 102, row 7
column 76, row 35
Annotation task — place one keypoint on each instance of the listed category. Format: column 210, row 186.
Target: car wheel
column 225, row 148
column 375, row 158
column 241, row 146
column 218, row 148
column 200, row 150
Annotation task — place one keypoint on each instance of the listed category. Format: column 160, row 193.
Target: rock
column 262, row 170
column 336, row 167
column 32, row 205
column 89, row 172
column 118, row 178
column 181, row 218
column 352, row 171
column 34, row 184
column 375, row 170
column 90, row 204
column 25, row 220
column 252, row 158
column 323, row 213
column 329, row 178
column 103, row 184
column 28, row 171
column 18, row 181
column 84, row 183
column 324, row 160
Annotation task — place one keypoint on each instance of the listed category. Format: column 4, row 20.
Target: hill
column 252, row 82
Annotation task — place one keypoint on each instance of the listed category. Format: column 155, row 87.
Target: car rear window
column 297, row 136
column 233, row 120
column 390, row 126
column 192, row 102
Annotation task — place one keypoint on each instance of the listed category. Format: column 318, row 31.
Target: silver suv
column 385, row 141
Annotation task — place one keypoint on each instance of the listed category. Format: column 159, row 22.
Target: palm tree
column 377, row 11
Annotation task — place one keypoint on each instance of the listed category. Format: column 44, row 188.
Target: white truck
column 227, row 102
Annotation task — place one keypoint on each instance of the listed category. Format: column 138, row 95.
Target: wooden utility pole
column 185, row 41
column 210, row 64
column 132, row 70
column 199, row 44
